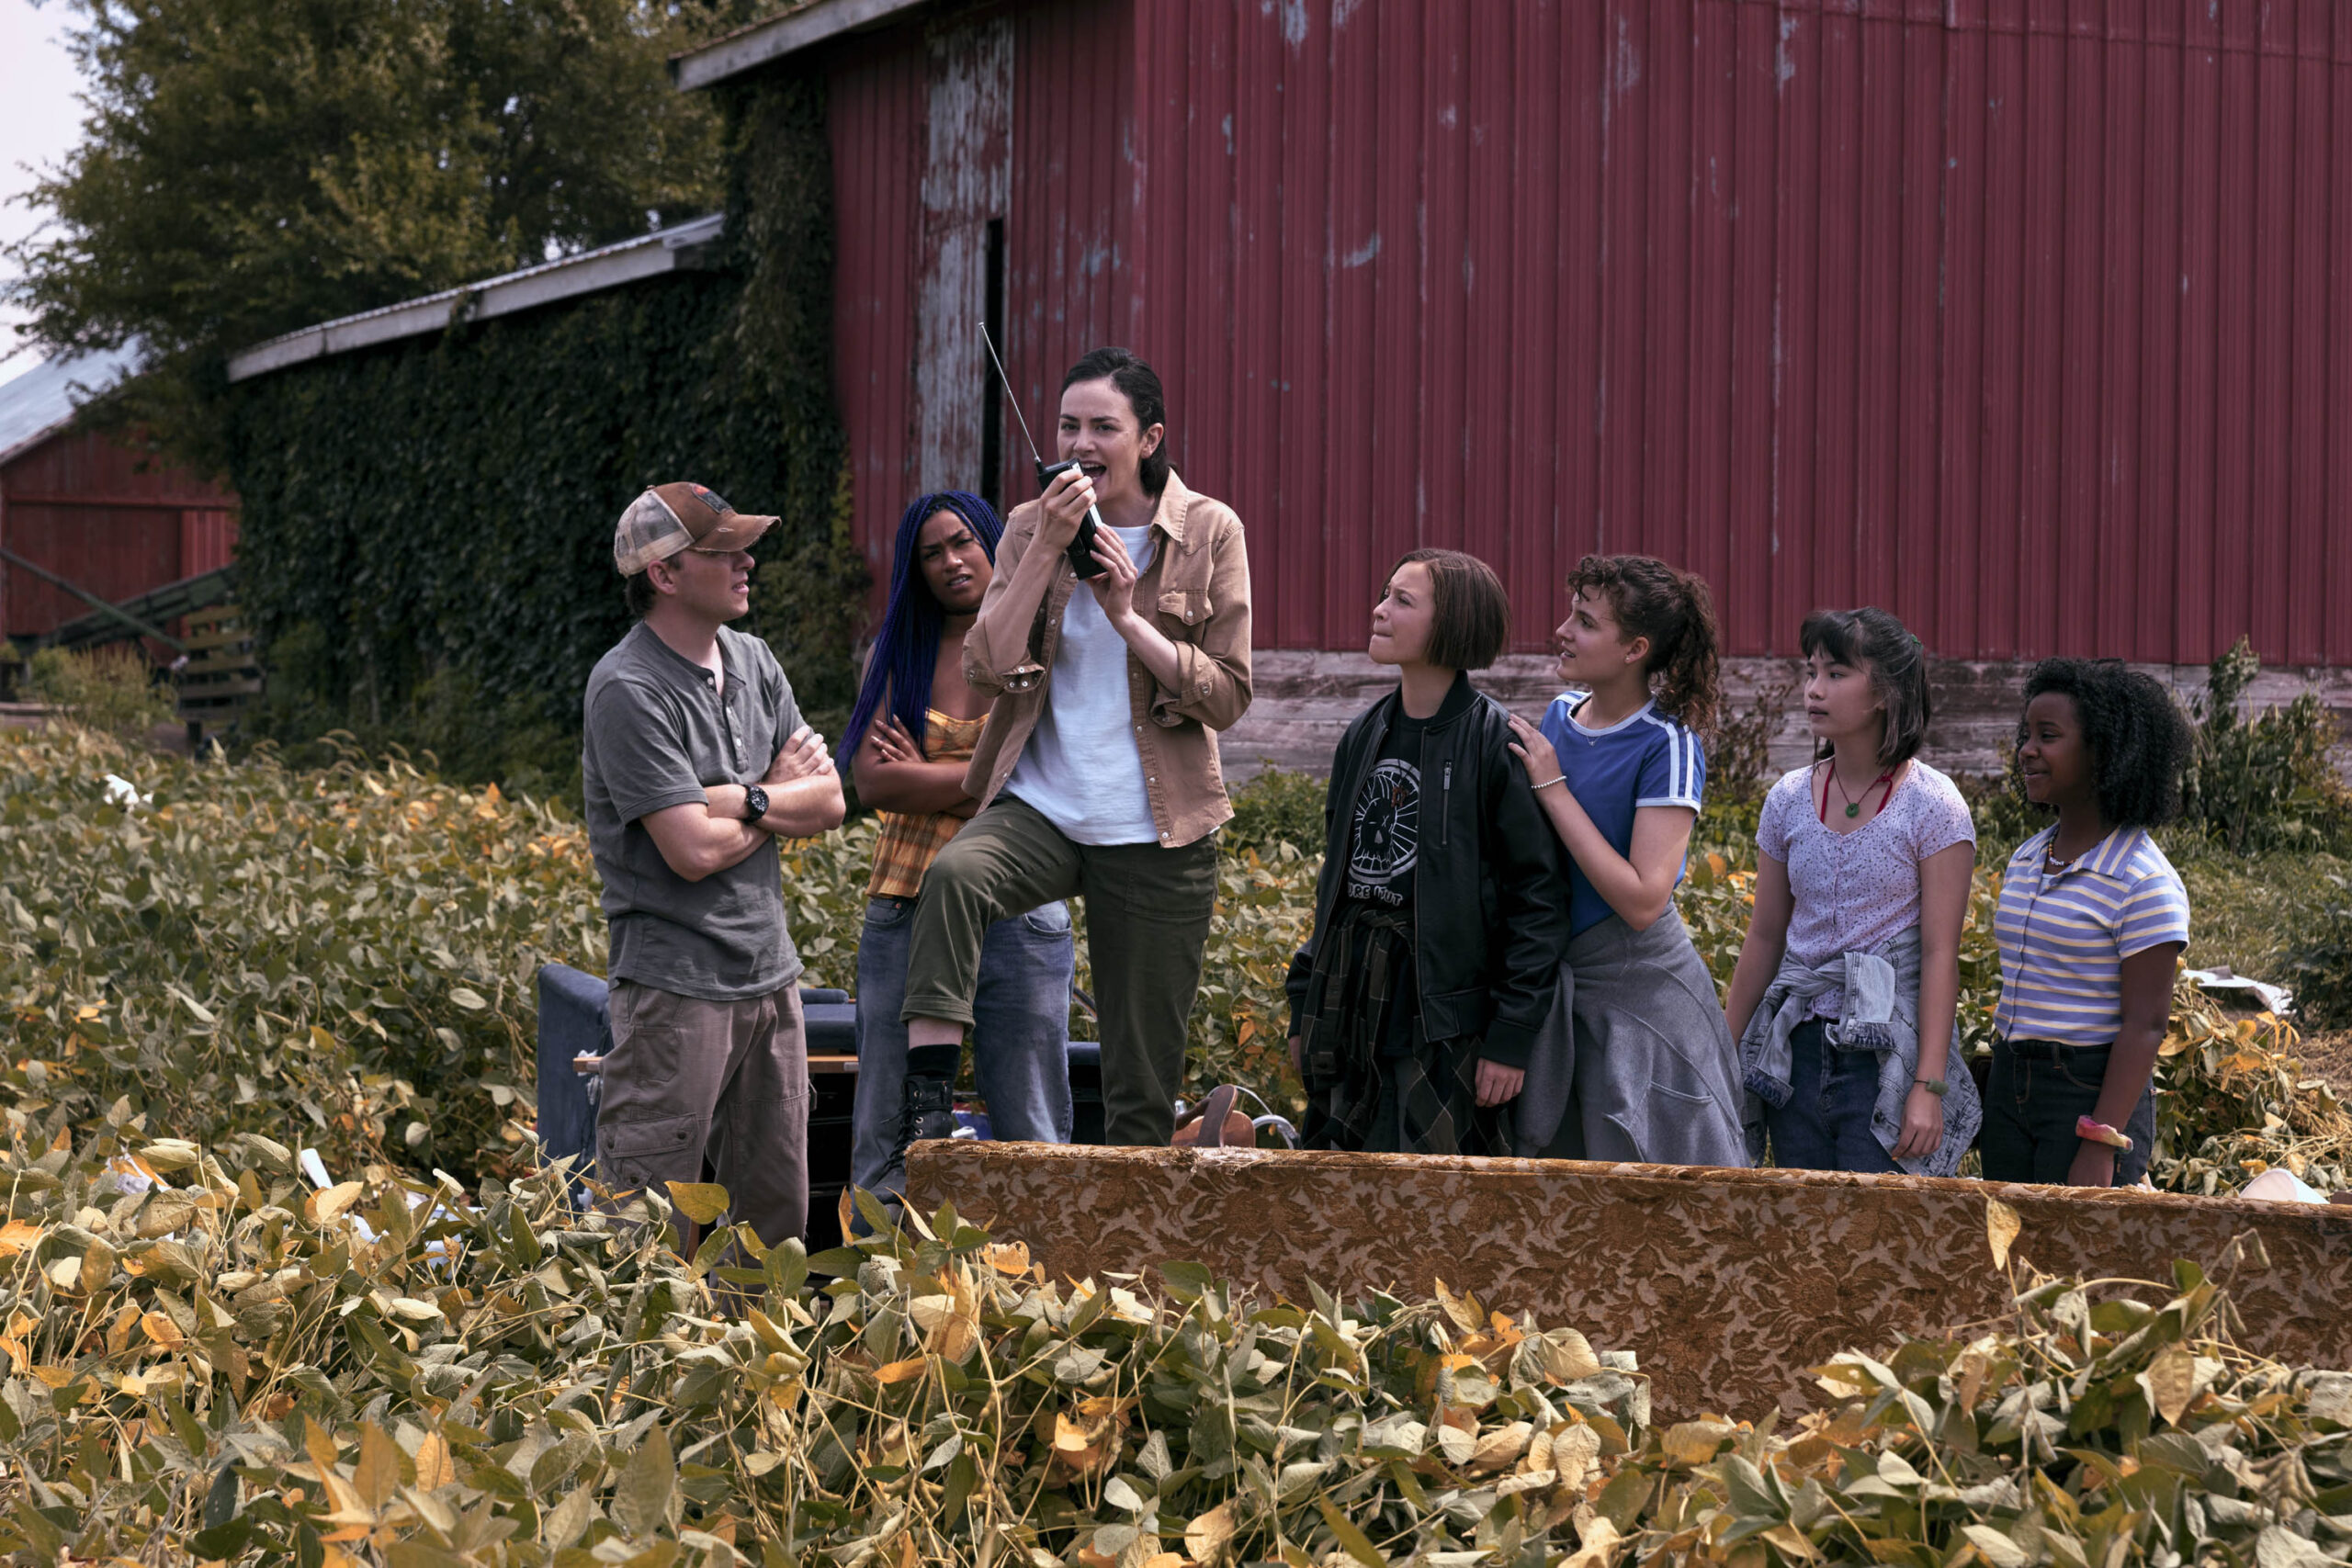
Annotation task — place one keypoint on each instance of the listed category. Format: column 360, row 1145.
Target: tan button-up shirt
column 1199, row 584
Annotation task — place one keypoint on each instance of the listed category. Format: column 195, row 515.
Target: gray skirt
column 1636, row 1062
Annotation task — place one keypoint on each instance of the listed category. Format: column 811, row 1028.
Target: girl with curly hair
column 1846, row 987
column 2091, row 924
column 1647, row 1067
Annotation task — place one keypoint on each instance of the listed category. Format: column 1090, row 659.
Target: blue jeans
column 1020, row 1029
column 1826, row 1125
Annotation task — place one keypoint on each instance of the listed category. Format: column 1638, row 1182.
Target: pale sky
column 39, row 121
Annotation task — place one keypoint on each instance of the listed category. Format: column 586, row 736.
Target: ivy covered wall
column 426, row 534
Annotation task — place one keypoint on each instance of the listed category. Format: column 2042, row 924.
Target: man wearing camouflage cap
column 694, row 761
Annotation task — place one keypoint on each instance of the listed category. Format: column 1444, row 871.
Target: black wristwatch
column 756, row 804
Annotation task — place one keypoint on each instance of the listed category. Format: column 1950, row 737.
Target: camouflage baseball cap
column 674, row 517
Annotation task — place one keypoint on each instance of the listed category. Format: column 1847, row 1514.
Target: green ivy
column 428, row 525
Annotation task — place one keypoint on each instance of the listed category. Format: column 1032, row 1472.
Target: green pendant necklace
column 1853, row 806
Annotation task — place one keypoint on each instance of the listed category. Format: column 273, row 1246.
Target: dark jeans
column 1020, row 1030
column 1148, row 913
column 1826, row 1125
column 2037, row 1091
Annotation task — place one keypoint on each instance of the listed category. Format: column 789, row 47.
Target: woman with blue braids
column 910, row 740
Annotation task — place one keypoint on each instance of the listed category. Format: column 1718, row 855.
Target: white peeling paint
column 1784, row 59
column 1629, row 58
column 1363, row 253
column 1293, row 22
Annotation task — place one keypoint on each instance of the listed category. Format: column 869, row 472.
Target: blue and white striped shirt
column 2063, row 935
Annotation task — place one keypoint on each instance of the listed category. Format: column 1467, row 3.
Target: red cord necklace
column 1854, row 806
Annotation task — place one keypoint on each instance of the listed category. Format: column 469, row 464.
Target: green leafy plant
column 1278, row 806
column 354, row 946
column 425, row 538
column 2262, row 778
column 2319, row 959
column 204, row 1360
column 110, row 688
column 250, row 170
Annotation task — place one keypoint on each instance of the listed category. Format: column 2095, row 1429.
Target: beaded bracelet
column 2092, row 1131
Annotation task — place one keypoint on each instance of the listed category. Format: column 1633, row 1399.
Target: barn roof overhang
column 590, row 272
column 810, row 22
column 47, row 398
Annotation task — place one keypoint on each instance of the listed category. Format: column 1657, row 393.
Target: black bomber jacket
column 1490, row 892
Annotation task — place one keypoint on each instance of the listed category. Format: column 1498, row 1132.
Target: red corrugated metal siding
column 2022, row 316
column 875, row 120
column 107, row 516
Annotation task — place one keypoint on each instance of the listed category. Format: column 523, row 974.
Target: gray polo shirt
column 657, row 733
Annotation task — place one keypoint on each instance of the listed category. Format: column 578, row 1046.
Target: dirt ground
column 2329, row 1056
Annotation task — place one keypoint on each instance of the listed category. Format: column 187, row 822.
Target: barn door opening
column 966, row 183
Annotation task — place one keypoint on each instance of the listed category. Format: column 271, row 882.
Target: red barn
column 89, row 505
column 2024, row 318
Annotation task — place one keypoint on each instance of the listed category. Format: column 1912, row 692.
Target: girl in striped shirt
column 2091, row 924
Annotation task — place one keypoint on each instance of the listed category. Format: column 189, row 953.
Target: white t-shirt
column 1080, row 770
column 1855, row 892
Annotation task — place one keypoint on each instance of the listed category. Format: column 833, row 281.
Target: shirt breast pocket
column 1184, row 612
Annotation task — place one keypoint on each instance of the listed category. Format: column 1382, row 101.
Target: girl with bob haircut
column 1097, row 772
column 1647, row 1069
column 1440, row 912
column 2091, row 924
column 1845, row 993
column 908, row 742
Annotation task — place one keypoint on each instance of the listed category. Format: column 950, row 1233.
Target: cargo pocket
column 641, row 1154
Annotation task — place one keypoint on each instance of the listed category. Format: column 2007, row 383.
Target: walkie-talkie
column 1082, row 549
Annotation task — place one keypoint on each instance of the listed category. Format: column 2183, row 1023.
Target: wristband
column 1936, row 1087
column 2092, row 1131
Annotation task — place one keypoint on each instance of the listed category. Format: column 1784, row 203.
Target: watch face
column 756, row 804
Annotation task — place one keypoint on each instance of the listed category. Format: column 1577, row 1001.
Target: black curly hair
column 2139, row 740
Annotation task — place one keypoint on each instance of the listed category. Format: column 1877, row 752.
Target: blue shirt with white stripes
column 1647, row 759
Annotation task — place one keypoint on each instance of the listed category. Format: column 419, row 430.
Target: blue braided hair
column 906, row 648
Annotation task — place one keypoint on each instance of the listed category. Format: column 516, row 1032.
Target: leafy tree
column 252, row 167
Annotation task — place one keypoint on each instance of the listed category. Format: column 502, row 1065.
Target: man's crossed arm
column 804, row 800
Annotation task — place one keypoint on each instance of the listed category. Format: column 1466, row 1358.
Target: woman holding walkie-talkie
column 1097, row 772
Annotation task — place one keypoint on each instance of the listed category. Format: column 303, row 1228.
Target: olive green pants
column 1147, row 921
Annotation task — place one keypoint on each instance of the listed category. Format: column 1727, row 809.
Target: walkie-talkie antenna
column 1081, row 547
column 1011, row 396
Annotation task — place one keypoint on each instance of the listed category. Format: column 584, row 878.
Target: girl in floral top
column 1845, row 993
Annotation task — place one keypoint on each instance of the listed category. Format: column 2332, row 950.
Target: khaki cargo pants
column 689, row 1079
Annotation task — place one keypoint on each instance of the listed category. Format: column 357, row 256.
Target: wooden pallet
column 222, row 675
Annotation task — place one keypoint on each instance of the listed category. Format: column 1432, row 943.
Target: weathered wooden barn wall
column 106, row 515
column 2026, row 317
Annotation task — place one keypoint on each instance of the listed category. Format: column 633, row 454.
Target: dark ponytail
column 1674, row 610
column 1139, row 384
